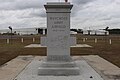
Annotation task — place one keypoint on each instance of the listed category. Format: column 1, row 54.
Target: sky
column 86, row 14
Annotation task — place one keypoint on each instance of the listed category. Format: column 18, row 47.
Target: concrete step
column 58, row 71
column 58, row 64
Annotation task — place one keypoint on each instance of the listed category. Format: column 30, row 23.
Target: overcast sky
column 93, row 14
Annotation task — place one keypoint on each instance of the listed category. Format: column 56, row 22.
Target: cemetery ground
column 102, row 47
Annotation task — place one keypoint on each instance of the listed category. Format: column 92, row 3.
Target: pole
column 33, row 39
column 95, row 40
column 11, row 32
column 83, row 39
column 11, row 36
column 110, row 41
column 22, row 40
column 7, row 41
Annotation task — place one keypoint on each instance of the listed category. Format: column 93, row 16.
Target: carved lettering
column 58, row 18
column 58, row 22
column 58, row 26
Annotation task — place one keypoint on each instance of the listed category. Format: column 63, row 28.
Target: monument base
column 30, row 72
column 92, row 67
column 58, row 68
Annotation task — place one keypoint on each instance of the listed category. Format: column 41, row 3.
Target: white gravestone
column 58, row 41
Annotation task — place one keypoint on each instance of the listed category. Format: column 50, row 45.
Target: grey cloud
column 39, row 13
column 21, row 17
column 43, row 14
column 115, row 16
column 106, row 18
column 79, row 5
column 79, row 2
column 29, row 13
column 117, row 2
column 20, row 4
column 5, row 25
column 22, row 24
column 2, row 1
column 2, row 17
column 113, row 23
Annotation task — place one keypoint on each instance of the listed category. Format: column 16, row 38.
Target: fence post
column 8, row 41
column 83, row 39
column 95, row 40
column 33, row 39
column 22, row 40
column 110, row 41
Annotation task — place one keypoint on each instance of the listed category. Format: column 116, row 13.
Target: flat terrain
column 103, row 48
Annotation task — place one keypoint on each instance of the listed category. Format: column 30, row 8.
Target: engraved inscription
column 58, row 18
column 59, row 58
column 59, row 42
column 58, row 23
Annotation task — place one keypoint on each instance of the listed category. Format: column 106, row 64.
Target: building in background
column 42, row 30
column 95, row 32
column 21, row 31
column 31, row 31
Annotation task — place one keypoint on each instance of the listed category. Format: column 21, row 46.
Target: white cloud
column 20, row 19
column 99, row 14
column 85, row 13
column 20, row 4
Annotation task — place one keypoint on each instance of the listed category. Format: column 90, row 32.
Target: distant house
column 102, row 32
column 30, row 31
column 43, row 30
column 73, row 32
column 85, row 32
column 95, row 32
column 21, row 31
column 92, row 32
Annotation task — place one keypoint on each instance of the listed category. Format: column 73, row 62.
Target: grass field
column 110, row 52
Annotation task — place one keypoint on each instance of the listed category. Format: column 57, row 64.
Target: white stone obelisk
column 58, row 41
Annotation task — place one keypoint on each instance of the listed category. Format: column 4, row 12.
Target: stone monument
column 58, row 41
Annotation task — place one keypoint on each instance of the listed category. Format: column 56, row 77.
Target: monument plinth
column 58, row 41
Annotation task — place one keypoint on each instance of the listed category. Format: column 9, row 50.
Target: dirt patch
column 102, row 48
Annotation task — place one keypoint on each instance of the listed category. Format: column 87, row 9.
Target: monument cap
column 58, row 5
